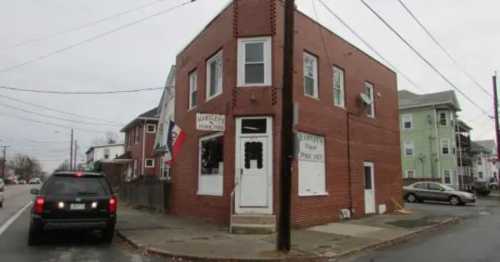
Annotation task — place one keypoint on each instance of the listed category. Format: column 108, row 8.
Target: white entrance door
column 368, row 173
column 253, row 165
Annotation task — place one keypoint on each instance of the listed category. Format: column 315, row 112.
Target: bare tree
column 25, row 166
column 108, row 139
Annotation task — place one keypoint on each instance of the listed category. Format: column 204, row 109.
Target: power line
column 360, row 38
column 95, row 37
column 53, row 117
column 53, row 124
column 80, row 27
column 80, row 92
column 434, row 39
column 423, row 58
column 56, row 110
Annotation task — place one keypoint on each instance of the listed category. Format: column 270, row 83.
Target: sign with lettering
column 210, row 122
column 311, row 148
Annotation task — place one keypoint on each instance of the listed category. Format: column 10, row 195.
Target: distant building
column 103, row 152
column 484, row 161
column 428, row 136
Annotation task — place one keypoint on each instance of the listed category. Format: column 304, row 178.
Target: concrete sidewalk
column 194, row 239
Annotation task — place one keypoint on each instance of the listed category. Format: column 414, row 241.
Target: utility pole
column 75, row 154
column 71, row 151
column 495, row 102
column 287, row 141
column 4, row 161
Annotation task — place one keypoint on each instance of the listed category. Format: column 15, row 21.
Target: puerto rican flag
column 175, row 139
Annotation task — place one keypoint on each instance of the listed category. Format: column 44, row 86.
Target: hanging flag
column 175, row 139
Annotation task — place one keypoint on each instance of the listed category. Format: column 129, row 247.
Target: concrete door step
column 253, row 224
column 252, row 229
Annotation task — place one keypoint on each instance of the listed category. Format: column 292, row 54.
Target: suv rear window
column 76, row 186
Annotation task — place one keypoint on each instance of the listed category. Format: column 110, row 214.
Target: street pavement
column 477, row 238
column 59, row 246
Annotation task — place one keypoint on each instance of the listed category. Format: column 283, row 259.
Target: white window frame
column 445, row 141
column 147, row 128
column 445, row 118
column 409, row 145
column 193, row 87
column 218, row 91
column 444, row 177
column 146, row 163
column 406, row 118
column 371, row 96
column 337, row 70
column 217, row 179
column 408, row 173
column 267, row 56
column 315, row 75
column 306, row 173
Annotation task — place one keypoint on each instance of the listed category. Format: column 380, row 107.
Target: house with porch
column 485, row 161
column 228, row 83
column 428, row 136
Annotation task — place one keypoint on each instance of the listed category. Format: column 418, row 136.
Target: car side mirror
column 35, row 191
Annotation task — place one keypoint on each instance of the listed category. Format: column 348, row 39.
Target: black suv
column 73, row 200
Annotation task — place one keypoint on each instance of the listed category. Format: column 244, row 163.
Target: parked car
column 2, row 188
column 35, row 181
column 73, row 200
column 481, row 188
column 422, row 191
column 21, row 182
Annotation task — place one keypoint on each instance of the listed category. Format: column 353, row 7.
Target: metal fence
column 147, row 192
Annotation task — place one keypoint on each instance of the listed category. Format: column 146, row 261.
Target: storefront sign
column 210, row 122
column 311, row 147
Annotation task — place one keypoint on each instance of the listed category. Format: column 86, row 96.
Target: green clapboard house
column 428, row 141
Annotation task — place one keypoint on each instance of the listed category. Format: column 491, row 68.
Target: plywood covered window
column 211, row 165
column 311, row 161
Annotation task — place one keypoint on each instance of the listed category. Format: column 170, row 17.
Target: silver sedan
column 422, row 191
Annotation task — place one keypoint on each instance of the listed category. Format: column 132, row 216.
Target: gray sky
column 141, row 55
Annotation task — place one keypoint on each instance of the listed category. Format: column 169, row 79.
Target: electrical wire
column 434, row 39
column 80, row 92
column 57, row 110
column 52, row 124
column 367, row 44
column 423, row 58
column 80, row 27
column 53, row 117
column 93, row 38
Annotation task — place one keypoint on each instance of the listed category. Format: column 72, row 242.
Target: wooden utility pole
column 4, row 161
column 287, row 141
column 71, row 151
column 495, row 102
column 75, row 152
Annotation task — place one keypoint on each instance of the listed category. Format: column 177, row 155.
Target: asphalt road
column 59, row 246
column 477, row 238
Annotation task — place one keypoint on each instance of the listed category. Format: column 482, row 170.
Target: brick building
column 139, row 141
column 346, row 115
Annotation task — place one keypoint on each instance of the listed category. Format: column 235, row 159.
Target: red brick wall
column 372, row 140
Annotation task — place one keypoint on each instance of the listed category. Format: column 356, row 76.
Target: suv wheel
column 108, row 233
column 411, row 198
column 34, row 236
column 455, row 201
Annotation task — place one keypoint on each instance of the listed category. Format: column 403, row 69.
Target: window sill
column 209, row 194
column 212, row 97
column 255, row 85
column 314, row 194
column 313, row 97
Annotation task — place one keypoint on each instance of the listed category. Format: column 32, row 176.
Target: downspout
column 460, row 162
column 143, row 145
column 349, row 174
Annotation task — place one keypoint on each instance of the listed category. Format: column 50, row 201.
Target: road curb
column 347, row 253
column 397, row 240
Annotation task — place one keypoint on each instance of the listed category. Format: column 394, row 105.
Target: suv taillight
column 113, row 204
column 39, row 204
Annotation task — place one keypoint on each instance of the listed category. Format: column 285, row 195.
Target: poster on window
column 311, row 162
column 210, row 122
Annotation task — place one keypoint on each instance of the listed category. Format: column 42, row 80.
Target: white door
column 253, row 166
column 368, row 175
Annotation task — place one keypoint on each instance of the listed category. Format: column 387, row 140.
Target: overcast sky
column 141, row 55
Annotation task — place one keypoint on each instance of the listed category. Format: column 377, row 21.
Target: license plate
column 77, row 206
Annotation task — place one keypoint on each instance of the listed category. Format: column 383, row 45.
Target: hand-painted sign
column 311, row 148
column 210, row 122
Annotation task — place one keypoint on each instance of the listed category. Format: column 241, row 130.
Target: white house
column 484, row 160
column 103, row 152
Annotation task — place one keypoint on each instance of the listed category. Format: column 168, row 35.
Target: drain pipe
column 348, row 138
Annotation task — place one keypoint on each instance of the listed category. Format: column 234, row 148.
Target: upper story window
column 193, row 89
column 338, row 87
column 310, row 75
column 214, row 75
column 151, row 128
column 442, row 119
column 254, row 61
column 409, row 148
column 368, row 90
column 106, row 153
column 149, row 163
column 407, row 121
column 445, row 146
